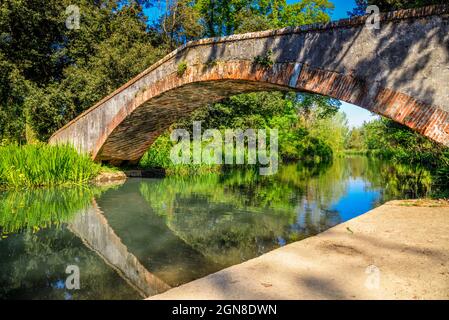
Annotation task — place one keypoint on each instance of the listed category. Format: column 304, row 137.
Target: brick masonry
column 400, row 71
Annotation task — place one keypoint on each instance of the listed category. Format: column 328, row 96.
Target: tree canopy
column 391, row 5
column 49, row 73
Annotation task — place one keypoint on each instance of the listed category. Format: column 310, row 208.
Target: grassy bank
column 43, row 165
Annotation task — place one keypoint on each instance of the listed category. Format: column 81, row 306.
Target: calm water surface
column 152, row 234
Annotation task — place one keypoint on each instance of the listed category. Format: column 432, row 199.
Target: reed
column 44, row 165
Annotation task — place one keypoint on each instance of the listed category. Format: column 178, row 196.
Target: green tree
column 30, row 38
column 100, row 65
column 388, row 139
column 355, row 139
column 185, row 20
column 280, row 14
column 391, row 5
column 180, row 23
column 49, row 73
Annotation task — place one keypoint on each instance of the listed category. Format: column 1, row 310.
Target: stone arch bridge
column 400, row 71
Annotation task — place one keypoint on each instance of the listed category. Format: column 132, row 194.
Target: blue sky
column 341, row 8
column 356, row 116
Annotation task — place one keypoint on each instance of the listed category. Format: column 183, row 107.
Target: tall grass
column 43, row 165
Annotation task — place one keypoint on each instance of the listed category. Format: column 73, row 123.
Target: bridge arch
column 400, row 71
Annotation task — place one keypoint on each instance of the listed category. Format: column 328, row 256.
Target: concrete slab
column 396, row 251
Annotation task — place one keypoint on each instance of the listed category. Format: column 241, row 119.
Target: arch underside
column 153, row 110
column 135, row 134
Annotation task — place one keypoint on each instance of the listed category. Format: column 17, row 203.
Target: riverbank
column 42, row 165
column 397, row 251
column 109, row 177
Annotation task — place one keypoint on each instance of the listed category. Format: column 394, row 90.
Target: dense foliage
column 390, row 5
column 387, row 139
column 49, row 73
column 310, row 128
column 186, row 20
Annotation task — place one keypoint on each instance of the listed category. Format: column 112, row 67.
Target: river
column 148, row 235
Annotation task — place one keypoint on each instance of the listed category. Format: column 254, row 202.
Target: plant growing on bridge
column 182, row 67
column 211, row 63
column 265, row 60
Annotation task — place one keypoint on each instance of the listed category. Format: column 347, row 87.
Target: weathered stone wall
column 400, row 71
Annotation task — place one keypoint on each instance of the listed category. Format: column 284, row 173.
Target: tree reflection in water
column 154, row 233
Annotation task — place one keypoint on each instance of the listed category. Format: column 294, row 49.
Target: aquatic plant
column 44, row 165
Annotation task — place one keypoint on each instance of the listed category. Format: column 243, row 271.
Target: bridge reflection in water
column 93, row 228
column 160, row 233
column 182, row 231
